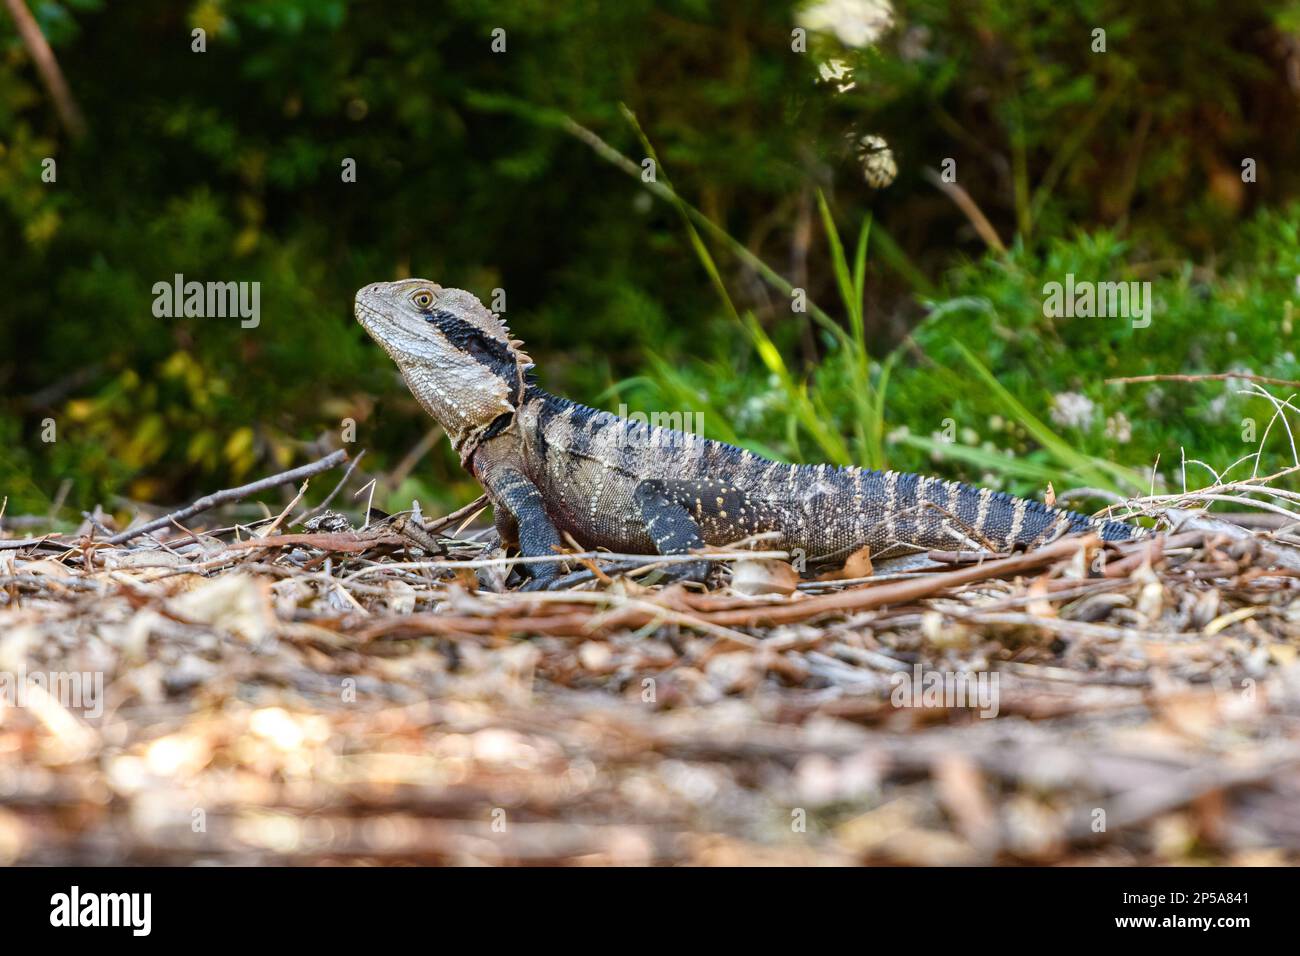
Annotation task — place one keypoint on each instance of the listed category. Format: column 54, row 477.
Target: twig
column 1215, row 377
column 574, row 556
column 48, row 67
column 658, row 611
column 471, row 508
column 14, row 543
column 1073, row 493
column 900, row 592
column 352, row 466
column 967, row 205
column 207, row 502
column 1278, row 412
column 271, row 528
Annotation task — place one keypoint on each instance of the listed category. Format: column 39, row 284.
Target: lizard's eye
column 422, row 299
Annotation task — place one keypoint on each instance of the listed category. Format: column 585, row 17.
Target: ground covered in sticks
column 267, row 691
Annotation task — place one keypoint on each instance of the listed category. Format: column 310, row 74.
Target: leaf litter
column 248, row 694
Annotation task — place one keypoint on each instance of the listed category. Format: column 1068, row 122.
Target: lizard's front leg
column 525, row 519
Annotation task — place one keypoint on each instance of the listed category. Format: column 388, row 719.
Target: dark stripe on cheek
column 490, row 352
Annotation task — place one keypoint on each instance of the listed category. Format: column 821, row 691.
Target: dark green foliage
column 225, row 166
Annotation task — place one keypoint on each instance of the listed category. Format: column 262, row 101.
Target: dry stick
column 476, row 505
column 698, row 612
column 1085, row 492
column 1135, row 806
column 1249, row 519
column 14, row 543
column 345, row 542
column 99, row 526
column 1054, row 625
column 48, row 67
column 207, row 502
column 1279, row 412
column 467, row 522
column 1255, row 485
column 370, row 500
column 659, row 612
column 1215, row 377
column 688, row 557
column 270, row 529
column 352, row 466
column 967, row 205
column 897, row 592
column 637, row 566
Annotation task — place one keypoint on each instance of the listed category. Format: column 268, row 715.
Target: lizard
column 552, row 468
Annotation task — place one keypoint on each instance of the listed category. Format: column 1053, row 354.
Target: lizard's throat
column 465, row 420
column 457, row 426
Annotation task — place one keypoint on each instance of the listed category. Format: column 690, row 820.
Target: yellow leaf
column 80, row 409
column 239, row 444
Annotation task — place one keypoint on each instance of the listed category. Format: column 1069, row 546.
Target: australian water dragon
column 551, row 466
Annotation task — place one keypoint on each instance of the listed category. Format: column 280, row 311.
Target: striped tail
column 1008, row 522
column 932, row 513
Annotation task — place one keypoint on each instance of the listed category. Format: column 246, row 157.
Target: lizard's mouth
column 406, row 340
column 363, row 306
column 378, row 324
column 371, row 319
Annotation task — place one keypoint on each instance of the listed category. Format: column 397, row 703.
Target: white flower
column 855, row 23
column 755, row 408
column 915, row 44
column 879, row 167
column 1215, row 410
column 1072, row 410
column 837, row 72
column 1120, row 428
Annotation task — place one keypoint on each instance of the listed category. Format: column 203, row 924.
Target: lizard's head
column 457, row 357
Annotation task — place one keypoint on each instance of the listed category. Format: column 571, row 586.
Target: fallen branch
column 1208, row 377
column 208, row 502
column 14, row 543
column 48, row 67
column 344, row 542
column 476, row 505
column 899, row 592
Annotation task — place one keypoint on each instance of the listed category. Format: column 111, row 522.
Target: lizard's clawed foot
column 542, row 578
column 696, row 572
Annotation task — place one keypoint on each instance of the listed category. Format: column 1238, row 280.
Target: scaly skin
column 550, row 466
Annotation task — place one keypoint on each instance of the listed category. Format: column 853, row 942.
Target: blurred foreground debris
column 236, row 696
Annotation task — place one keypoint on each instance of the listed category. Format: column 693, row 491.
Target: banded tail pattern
column 920, row 511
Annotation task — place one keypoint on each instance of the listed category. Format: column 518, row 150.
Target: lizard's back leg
column 663, row 507
column 680, row 515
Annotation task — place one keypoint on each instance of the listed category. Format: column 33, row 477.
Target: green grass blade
column 1094, row 471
